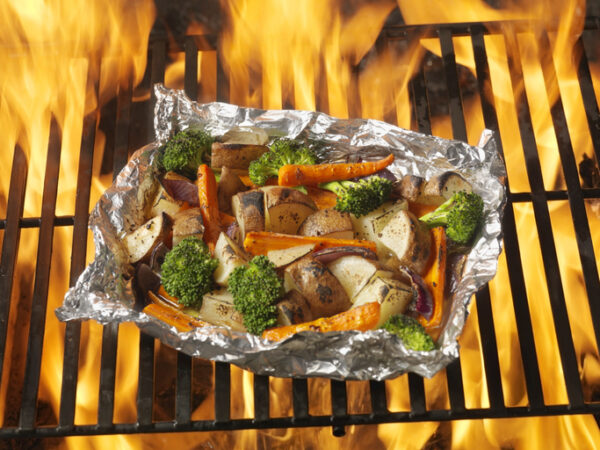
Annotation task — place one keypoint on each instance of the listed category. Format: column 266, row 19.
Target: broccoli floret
column 411, row 332
column 281, row 152
column 461, row 215
column 187, row 271
column 255, row 289
column 185, row 151
column 360, row 197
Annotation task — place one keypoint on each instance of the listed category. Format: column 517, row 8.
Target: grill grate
column 128, row 116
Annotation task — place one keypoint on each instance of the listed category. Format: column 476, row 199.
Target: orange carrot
column 173, row 317
column 260, row 242
column 419, row 209
column 168, row 298
column 226, row 219
column 361, row 318
column 305, row 175
column 209, row 205
column 322, row 198
column 435, row 277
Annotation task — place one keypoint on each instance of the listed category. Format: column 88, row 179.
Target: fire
column 315, row 55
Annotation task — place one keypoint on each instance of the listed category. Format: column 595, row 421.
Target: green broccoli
column 281, row 152
column 410, row 331
column 255, row 289
column 187, row 271
column 185, row 151
column 360, row 197
column 461, row 215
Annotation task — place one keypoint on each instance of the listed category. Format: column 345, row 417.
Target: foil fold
column 103, row 292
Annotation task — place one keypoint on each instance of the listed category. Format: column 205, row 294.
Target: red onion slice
column 327, row 255
column 423, row 301
column 182, row 190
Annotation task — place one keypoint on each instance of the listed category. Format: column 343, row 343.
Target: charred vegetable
column 185, row 151
column 187, row 272
column 360, row 197
column 255, row 289
column 461, row 215
column 411, row 332
column 281, row 152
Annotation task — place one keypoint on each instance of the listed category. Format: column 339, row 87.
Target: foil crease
column 103, row 292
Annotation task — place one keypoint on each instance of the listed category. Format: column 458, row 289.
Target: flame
column 315, row 55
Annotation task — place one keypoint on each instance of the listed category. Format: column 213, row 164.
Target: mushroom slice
column 405, row 242
column 141, row 241
column 249, row 210
column 286, row 209
column 328, row 222
column 187, row 223
column 441, row 187
column 322, row 290
column 229, row 256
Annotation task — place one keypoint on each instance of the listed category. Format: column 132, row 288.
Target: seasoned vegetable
column 281, row 152
column 300, row 174
column 436, row 278
column 209, row 204
column 185, row 151
column 141, row 242
column 255, row 288
column 187, row 272
column 461, row 215
column 363, row 318
column 286, row 209
column 360, row 197
column 410, row 331
column 329, row 223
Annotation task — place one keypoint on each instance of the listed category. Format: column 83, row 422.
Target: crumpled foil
column 103, row 292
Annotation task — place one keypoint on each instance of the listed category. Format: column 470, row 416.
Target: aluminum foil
column 103, row 292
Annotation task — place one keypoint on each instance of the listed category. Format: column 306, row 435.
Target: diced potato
column 164, row 203
column 441, row 187
column 328, row 222
column 286, row 209
column 393, row 295
column 246, row 135
column 235, row 156
column 363, row 226
column 353, row 272
column 286, row 256
column 230, row 256
column 249, row 210
column 141, row 241
column 187, row 223
column 293, row 308
column 408, row 242
column 217, row 308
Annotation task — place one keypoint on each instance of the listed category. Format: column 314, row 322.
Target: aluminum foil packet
column 104, row 293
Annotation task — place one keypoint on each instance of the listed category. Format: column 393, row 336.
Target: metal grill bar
column 339, row 417
column 546, row 237
column 37, row 323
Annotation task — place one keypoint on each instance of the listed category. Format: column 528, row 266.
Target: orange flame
column 306, row 55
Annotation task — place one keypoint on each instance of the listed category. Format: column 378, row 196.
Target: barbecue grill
column 128, row 123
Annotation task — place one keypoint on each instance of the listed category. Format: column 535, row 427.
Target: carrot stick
column 435, row 277
column 209, row 205
column 419, row 209
column 260, row 242
column 322, row 198
column 172, row 301
column 361, row 318
column 226, row 219
column 173, row 317
column 299, row 174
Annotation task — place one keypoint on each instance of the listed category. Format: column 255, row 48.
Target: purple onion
column 423, row 300
column 182, row 190
column 327, row 255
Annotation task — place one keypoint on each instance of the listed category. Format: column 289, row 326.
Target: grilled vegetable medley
column 262, row 237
